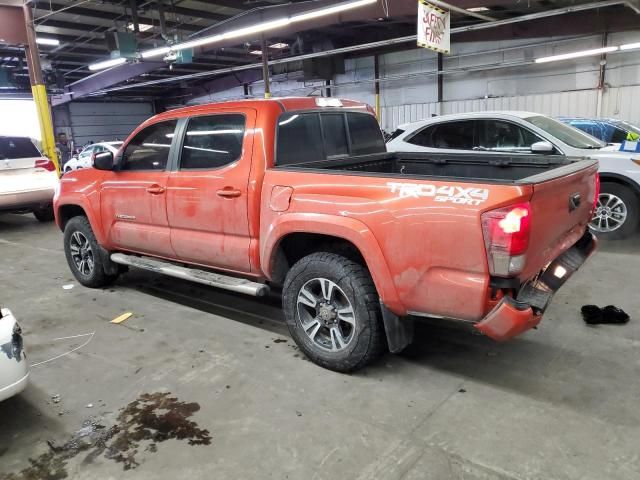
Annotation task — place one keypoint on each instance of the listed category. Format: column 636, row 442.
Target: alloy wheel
column 610, row 214
column 326, row 314
column 81, row 253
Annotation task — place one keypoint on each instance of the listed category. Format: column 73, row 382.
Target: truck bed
column 483, row 168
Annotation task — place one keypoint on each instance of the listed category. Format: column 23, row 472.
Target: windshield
column 565, row 133
column 627, row 126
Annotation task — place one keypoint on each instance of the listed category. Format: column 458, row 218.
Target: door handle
column 229, row 192
column 155, row 190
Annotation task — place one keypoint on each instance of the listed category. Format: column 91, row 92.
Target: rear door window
column 450, row 135
column 212, row 141
column 17, row 147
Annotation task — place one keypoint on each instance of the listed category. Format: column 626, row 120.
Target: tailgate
column 21, row 175
column 561, row 208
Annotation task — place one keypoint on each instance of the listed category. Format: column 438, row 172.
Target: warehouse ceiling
column 84, row 26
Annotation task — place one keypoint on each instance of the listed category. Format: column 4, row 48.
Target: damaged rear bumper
column 511, row 317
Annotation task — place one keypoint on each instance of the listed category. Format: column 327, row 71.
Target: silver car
column 514, row 132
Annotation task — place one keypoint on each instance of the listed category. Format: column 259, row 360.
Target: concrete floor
column 560, row 402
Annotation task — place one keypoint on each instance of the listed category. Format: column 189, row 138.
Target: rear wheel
column 84, row 254
column 333, row 312
column 616, row 214
column 44, row 214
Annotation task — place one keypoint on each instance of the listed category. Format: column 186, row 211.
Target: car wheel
column 44, row 214
column 333, row 312
column 84, row 254
column 616, row 215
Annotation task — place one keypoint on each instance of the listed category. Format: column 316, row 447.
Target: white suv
column 618, row 210
column 27, row 179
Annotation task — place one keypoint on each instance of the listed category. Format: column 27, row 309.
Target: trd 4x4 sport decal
column 443, row 193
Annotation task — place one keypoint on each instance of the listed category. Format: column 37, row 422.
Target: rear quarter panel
column 425, row 255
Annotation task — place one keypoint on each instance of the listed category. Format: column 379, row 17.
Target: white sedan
column 85, row 157
column 618, row 211
column 14, row 369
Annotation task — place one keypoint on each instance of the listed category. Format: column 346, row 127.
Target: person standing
column 64, row 148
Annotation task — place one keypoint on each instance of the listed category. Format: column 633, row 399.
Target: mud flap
column 109, row 267
column 399, row 330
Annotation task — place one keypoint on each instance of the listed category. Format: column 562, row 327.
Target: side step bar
column 225, row 282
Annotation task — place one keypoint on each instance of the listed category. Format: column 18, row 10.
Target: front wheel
column 616, row 216
column 84, row 254
column 333, row 312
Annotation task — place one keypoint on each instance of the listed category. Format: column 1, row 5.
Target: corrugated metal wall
column 98, row 121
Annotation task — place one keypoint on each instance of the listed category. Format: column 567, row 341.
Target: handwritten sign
column 433, row 27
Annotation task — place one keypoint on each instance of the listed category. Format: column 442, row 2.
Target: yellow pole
column 376, row 74
column 39, row 91
column 265, row 69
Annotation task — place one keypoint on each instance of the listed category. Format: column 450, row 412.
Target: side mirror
column 103, row 161
column 542, row 147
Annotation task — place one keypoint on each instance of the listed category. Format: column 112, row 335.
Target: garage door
column 97, row 121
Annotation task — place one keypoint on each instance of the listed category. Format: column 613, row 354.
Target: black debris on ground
column 594, row 315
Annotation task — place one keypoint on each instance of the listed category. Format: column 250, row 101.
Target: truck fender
column 89, row 210
column 346, row 228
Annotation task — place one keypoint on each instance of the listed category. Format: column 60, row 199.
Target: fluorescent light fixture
column 155, row 52
column 143, row 27
column 258, row 28
column 630, row 46
column 477, row 9
column 583, row 53
column 112, row 62
column 341, row 7
column 54, row 42
column 197, row 42
column 256, row 52
column 279, row 46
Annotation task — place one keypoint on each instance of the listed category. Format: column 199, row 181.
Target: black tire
column 96, row 276
column 44, row 214
column 366, row 337
column 630, row 201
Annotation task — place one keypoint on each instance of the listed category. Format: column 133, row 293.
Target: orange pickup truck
column 300, row 194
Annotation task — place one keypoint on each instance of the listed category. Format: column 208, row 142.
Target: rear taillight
column 46, row 164
column 597, row 195
column 506, row 237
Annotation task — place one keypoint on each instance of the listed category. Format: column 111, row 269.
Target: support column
column 440, row 82
column 39, row 90
column 265, row 69
column 376, row 83
column 327, row 91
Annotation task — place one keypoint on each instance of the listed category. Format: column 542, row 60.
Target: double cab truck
column 299, row 195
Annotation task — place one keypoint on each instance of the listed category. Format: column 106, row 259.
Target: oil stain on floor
column 151, row 419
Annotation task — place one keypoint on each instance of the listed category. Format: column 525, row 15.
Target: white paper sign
column 433, row 27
